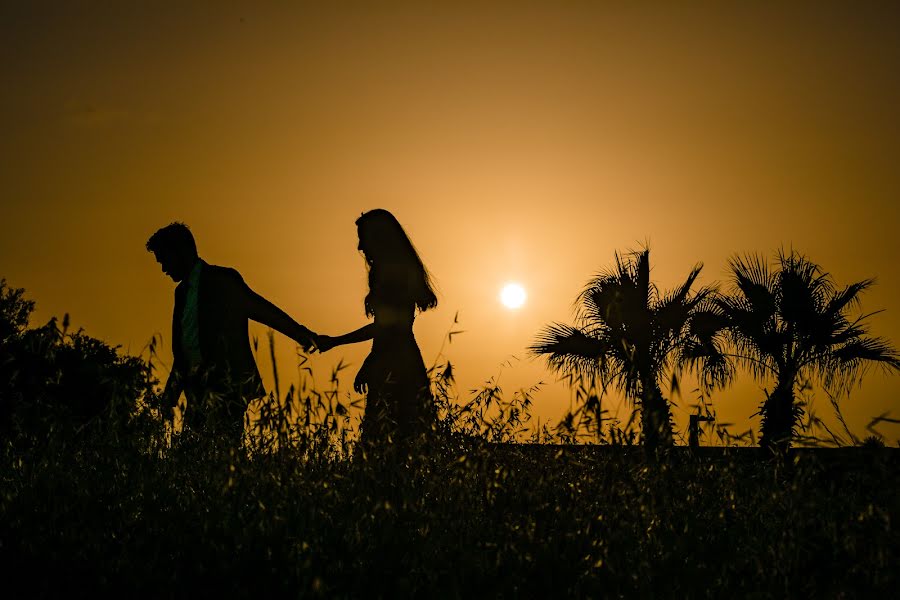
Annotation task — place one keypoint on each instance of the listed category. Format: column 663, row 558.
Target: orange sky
column 515, row 142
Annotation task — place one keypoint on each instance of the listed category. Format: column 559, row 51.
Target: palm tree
column 626, row 335
column 789, row 325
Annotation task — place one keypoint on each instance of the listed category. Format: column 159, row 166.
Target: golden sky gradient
column 515, row 141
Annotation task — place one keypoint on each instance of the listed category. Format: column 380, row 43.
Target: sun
column 513, row 295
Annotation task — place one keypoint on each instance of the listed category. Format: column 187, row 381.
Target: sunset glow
column 513, row 295
column 509, row 143
column 450, row 299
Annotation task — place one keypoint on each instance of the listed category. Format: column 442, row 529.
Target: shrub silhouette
column 54, row 380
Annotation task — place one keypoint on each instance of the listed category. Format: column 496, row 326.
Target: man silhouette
column 213, row 363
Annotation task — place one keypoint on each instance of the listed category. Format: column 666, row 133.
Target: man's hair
column 175, row 237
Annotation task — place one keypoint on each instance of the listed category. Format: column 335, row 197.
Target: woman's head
column 382, row 238
column 383, row 241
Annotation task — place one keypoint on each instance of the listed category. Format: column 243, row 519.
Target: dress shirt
column 190, row 318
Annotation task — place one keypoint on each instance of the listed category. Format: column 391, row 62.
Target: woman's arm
column 364, row 333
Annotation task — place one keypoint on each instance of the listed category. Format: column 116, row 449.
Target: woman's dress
column 399, row 405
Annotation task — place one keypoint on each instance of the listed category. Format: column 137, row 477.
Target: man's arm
column 171, row 393
column 262, row 311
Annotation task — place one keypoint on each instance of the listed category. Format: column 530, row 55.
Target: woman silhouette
column 399, row 406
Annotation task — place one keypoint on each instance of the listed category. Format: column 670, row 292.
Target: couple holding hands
column 214, row 364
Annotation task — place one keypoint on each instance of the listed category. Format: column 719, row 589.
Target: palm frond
column 752, row 269
column 844, row 366
column 681, row 293
column 848, row 298
column 802, row 292
column 753, row 281
column 617, row 300
column 675, row 311
column 642, row 275
column 570, row 348
column 714, row 368
column 707, row 319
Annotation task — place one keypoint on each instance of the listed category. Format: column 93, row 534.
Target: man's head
column 175, row 250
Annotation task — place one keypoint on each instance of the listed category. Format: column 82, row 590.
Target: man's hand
column 307, row 339
column 169, row 398
column 168, row 415
column 165, row 405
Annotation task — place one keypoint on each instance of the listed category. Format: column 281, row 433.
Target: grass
column 480, row 522
column 99, row 513
column 115, row 505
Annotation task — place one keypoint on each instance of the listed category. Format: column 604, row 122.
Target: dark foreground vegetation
column 91, row 515
column 96, row 496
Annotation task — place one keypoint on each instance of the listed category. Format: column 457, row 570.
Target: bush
column 54, row 381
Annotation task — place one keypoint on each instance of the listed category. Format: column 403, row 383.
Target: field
column 98, row 497
column 96, row 512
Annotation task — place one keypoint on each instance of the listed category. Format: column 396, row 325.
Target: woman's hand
column 361, row 383
column 324, row 343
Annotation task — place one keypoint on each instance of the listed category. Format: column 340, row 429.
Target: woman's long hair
column 384, row 242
